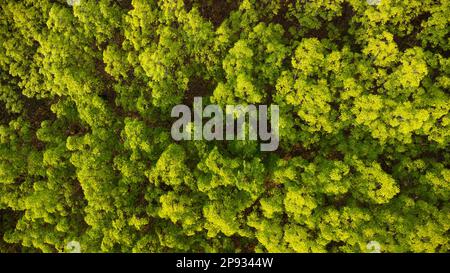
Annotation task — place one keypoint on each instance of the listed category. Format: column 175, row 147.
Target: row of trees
column 86, row 155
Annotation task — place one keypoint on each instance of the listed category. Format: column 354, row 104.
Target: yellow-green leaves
column 374, row 185
column 382, row 49
column 86, row 155
column 170, row 168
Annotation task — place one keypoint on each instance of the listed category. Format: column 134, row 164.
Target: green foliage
column 86, row 154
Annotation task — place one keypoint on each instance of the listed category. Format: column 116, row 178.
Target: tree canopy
column 86, row 155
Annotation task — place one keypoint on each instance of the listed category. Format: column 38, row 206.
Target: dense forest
column 86, row 153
